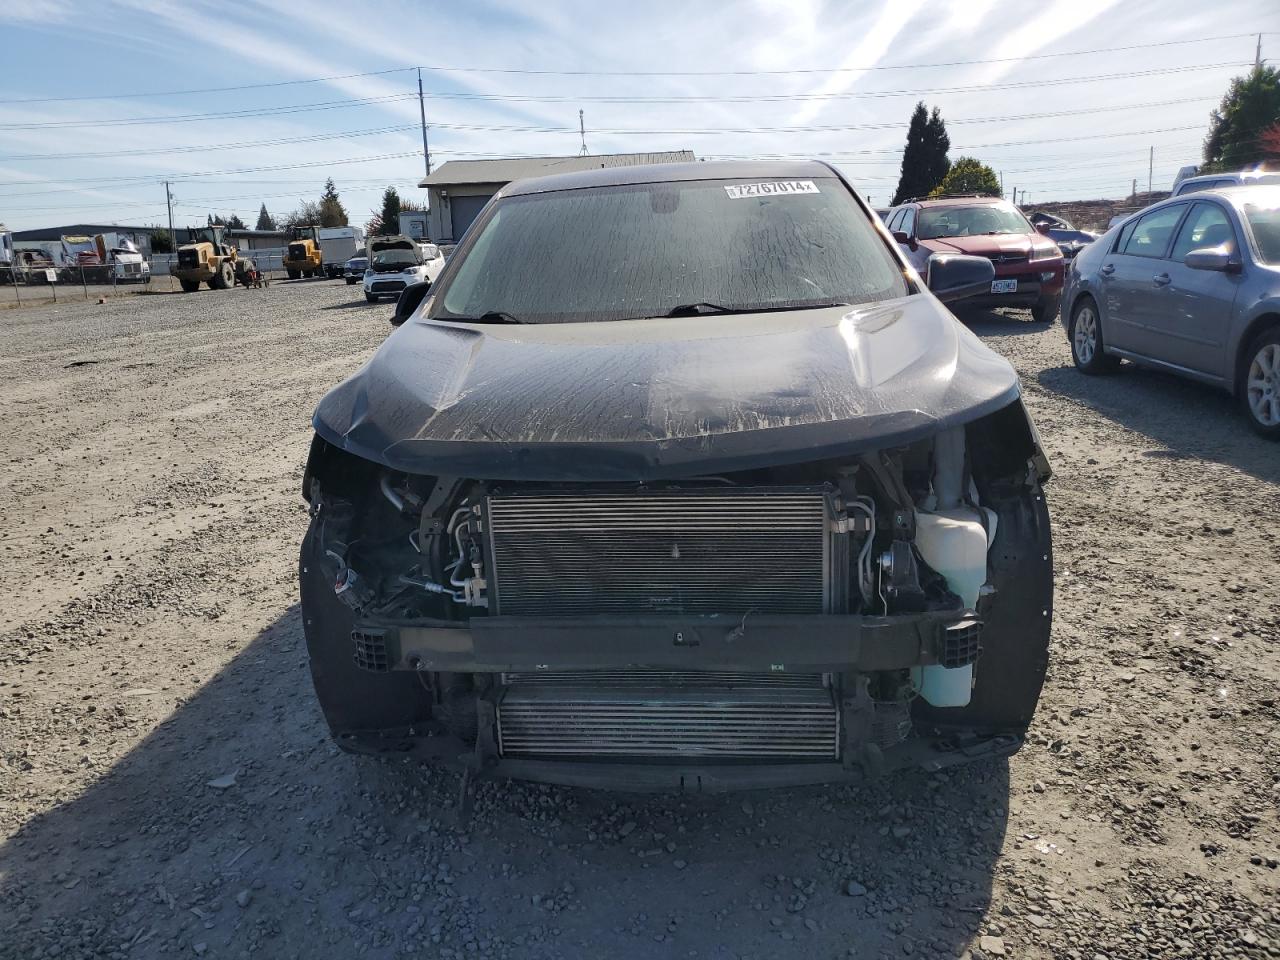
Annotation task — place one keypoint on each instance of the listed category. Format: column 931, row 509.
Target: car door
column 1191, row 326
column 1128, row 276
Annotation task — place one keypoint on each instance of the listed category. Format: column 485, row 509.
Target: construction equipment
column 304, row 258
column 209, row 259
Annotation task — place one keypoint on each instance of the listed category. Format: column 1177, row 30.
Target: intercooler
column 724, row 550
column 668, row 716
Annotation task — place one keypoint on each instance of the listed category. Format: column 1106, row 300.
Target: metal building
column 458, row 191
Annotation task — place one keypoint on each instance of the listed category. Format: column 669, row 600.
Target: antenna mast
column 582, row 131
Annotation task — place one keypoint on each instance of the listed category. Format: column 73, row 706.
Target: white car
column 396, row 262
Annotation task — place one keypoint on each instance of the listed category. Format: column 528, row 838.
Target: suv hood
column 986, row 245
column 659, row 398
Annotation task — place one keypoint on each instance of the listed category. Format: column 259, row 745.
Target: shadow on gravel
column 993, row 323
column 360, row 304
column 1188, row 418
column 300, row 850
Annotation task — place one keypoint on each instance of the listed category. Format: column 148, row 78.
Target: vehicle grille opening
column 669, row 716
column 729, row 551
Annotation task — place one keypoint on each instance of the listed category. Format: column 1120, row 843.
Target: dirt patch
column 170, row 790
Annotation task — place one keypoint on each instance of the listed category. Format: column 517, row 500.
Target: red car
column 1029, row 265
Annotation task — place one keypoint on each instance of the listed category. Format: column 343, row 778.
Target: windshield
column 642, row 250
column 1264, row 223
column 972, row 221
column 395, row 258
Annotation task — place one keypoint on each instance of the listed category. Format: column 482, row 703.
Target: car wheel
column 370, row 298
column 1086, row 340
column 1045, row 309
column 1260, row 392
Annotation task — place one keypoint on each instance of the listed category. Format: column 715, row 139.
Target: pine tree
column 265, row 220
column 389, row 217
column 1236, row 127
column 234, row 222
column 924, row 160
column 332, row 212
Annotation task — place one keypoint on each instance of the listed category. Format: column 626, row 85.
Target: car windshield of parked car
column 657, row 249
column 395, row 258
column 975, row 221
column 1264, row 223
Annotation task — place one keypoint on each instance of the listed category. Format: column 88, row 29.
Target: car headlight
column 1045, row 253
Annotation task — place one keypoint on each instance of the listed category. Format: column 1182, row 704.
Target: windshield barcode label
column 772, row 188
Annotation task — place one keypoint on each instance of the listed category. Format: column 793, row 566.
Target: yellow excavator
column 210, row 259
column 304, row 258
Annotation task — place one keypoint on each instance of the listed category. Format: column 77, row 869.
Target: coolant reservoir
column 953, row 542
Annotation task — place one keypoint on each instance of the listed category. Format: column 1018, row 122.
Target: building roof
column 517, row 168
column 748, row 170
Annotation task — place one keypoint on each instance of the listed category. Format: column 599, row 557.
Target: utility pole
column 1134, row 191
column 168, row 202
column 1257, row 56
column 422, row 112
column 582, row 131
column 1151, row 162
column 1001, row 184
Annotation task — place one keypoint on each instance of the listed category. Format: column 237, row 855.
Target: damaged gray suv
column 679, row 477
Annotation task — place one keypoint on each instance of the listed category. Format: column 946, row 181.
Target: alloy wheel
column 1085, row 339
column 1263, row 385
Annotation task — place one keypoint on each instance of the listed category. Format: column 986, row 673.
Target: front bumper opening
column 661, row 716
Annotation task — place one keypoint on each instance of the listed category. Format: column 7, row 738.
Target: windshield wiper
column 699, row 308
column 702, row 308
column 491, row 316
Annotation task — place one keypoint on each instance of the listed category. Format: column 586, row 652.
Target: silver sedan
column 1190, row 285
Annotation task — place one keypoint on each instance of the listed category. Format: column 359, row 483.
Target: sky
column 101, row 102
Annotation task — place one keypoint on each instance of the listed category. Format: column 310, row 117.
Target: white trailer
column 337, row 246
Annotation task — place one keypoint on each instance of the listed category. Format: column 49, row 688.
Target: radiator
column 668, row 716
column 702, row 551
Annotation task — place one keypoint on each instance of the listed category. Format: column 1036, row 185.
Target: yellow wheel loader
column 208, row 260
column 304, row 258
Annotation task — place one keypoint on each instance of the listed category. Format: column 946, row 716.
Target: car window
column 1206, row 226
column 1264, row 222
column 895, row 218
column 908, row 221
column 970, row 221
column 1151, row 234
column 1124, row 236
column 639, row 250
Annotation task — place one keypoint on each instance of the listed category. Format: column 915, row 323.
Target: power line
column 224, row 115
column 821, row 70
column 201, row 148
column 183, row 93
column 633, row 73
column 822, row 97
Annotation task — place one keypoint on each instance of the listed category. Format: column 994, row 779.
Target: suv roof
column 952, row 200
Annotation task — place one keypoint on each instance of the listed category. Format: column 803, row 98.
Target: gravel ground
column 169, row 789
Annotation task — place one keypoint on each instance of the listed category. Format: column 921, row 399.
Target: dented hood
column 658, row 398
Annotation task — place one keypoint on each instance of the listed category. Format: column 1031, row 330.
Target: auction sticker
column 771, row 188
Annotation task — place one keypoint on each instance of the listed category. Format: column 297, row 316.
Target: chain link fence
column 21, row 284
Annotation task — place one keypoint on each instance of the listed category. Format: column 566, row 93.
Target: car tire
column 190, row 286
column 1045, row 309
column 370, row 298
column 1260, row 383
column 1085, row 337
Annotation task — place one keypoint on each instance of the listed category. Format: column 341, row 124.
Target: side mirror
column 900, row 236
column 411, row 298
column 1043, row 227
column 1218, row 258
column 953, row 276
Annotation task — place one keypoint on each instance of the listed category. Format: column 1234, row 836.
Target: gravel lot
column 169, row 789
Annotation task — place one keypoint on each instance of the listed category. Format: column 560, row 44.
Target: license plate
column 1004, row 286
